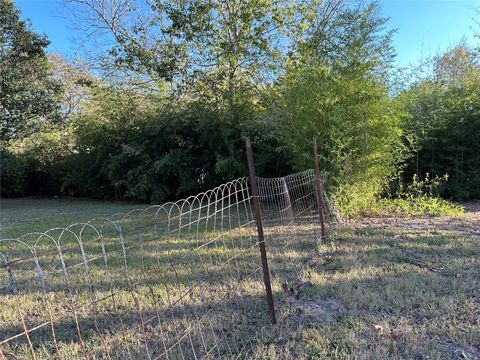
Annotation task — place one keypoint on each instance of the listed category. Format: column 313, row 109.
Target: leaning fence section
column 293, row 227
column 178, row 281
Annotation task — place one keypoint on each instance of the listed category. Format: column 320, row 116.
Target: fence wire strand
column 182, row 280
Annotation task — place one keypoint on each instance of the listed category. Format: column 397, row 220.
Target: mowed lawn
column 20, row 216
column 384, row 288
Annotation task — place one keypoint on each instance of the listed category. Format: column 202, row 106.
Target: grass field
column 399, row 292
column 19, row 216
column 385, row 288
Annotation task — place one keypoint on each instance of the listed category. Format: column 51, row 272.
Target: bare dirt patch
column 316, row 310
column 297, row 310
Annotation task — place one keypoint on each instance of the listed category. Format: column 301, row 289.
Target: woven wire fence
column 182, row 280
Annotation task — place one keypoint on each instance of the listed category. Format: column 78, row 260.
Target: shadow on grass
column 144, row 296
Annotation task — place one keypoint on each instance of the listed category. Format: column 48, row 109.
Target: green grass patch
column 20, row 216
column 423, row 205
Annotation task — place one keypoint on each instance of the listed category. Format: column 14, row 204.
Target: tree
column 209, row 49
column 336, row 88
column 76, row 83
column 27, row 92
column 441, row 116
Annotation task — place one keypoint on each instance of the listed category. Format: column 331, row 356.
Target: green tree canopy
column 27, row 92
column 336, row 89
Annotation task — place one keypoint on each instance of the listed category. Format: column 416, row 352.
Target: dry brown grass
column 385, row 288
column 388, row 289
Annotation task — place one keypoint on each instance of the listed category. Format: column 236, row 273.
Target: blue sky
column 425, row 27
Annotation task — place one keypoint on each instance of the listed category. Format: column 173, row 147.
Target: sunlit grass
column 143, row 289
column 420, row 206
column 405, row 293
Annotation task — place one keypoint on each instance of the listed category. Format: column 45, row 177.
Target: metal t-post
column 261, row 239
column 318, row 183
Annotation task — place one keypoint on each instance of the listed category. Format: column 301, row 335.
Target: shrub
column 13, row 174
column 43, row 158
column 421, row 197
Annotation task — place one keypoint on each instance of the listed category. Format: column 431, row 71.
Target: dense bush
column 120, row 146
column 359, row 134
column 421, row 197
column 443, row 122
column 13, row 174
column 36, row 165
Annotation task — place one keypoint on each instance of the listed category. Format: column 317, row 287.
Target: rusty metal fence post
column 318, row 183
column 261, row 239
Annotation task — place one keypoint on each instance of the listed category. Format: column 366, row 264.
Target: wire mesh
column 180, row 280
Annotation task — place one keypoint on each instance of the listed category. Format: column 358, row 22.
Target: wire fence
column 182, row 280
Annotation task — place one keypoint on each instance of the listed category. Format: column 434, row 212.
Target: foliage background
column 168, row 114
